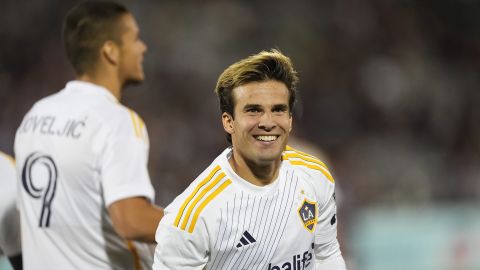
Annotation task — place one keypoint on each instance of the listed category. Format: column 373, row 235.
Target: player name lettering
column 299, row 262
column 49, row 125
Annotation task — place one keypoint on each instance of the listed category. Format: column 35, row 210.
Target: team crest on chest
column 308, row 214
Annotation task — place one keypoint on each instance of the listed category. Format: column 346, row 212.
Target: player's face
column 262, row 121
column 131, row 52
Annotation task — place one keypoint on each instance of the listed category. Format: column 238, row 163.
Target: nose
column 266, row 122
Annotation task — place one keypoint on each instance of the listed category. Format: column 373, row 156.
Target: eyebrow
column 251, row 106
column 282, row 107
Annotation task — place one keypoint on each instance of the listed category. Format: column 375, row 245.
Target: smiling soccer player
column 260, row 204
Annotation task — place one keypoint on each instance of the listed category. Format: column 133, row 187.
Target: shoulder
column 121, row 120
column 127, row 118
column 308, row 164
column 6, row 159
column 207, row 191
column 45, row 103
column 314, row 174
column 7, row 167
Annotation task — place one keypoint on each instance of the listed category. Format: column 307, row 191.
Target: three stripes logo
column 299, row 158
column 246, row 239
column 138, row 126
column 202, row 195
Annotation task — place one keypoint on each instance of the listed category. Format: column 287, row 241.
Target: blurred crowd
column 389, row 90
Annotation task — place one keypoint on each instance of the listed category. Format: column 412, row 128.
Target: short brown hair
column 86, row 28
column 264, row 66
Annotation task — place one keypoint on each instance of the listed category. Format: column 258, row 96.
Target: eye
column 253, row 110
column 280, row 109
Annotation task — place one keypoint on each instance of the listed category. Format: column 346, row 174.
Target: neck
column 257, row 174
column 110, row 83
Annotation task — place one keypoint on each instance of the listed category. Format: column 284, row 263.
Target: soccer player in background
column 260, row 204
column 86, row 196
column 10, row 244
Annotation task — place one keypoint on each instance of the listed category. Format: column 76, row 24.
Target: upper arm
column 326, row 229
column 178, row 248
column 327, row 248
column 123, row 212
column 124, row 160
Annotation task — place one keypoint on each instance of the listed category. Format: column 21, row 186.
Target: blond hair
column 264, row 66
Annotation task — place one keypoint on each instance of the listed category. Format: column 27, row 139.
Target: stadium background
column 389, row 93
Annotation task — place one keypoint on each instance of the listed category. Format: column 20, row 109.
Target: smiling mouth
column 266, row 138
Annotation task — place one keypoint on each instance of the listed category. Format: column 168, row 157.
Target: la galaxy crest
column 308, row 214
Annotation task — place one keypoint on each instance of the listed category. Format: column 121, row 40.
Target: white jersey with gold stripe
column 77, row 152
column 222, row 221
column 9, row 219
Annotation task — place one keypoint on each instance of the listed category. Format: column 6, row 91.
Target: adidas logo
column 246, row 239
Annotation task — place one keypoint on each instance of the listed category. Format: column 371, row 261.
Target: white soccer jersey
column 77, row 152
column 9, row 219
column 223, row 222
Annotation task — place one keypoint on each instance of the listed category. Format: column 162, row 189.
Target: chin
column 267, row 158
column 134, row 81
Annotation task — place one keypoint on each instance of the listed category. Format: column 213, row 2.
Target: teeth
column 266, row 138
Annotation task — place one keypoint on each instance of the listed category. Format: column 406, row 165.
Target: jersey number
column 39, row 179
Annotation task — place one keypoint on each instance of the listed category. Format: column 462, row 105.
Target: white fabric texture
column 78, row 152
column 222, row 221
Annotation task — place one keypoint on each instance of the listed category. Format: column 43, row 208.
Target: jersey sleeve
column 326, row 246
column 124, row 160
column 177, row 248
column 326, row 229
column 10, row 243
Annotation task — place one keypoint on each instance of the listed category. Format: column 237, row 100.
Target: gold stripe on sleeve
column 136, row 257
column 205, row 202
column 199, row 197
column 199, row 186
column 10, row 158
column 315, row 167
column 142, row 126
column 288, row 148
column 134, row 121
column 306, row 158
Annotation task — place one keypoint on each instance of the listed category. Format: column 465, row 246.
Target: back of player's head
column 87, row 27
column 264, row 66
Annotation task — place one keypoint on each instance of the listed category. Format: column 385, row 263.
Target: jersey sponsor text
column 298, row 262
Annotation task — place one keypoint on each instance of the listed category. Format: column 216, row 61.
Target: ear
column 227, row 121
column 111, row 52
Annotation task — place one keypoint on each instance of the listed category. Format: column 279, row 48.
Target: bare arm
column 135, row 218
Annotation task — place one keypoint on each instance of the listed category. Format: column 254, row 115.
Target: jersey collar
column 223, row 160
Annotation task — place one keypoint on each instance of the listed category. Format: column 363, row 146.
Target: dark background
column 389, row 90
